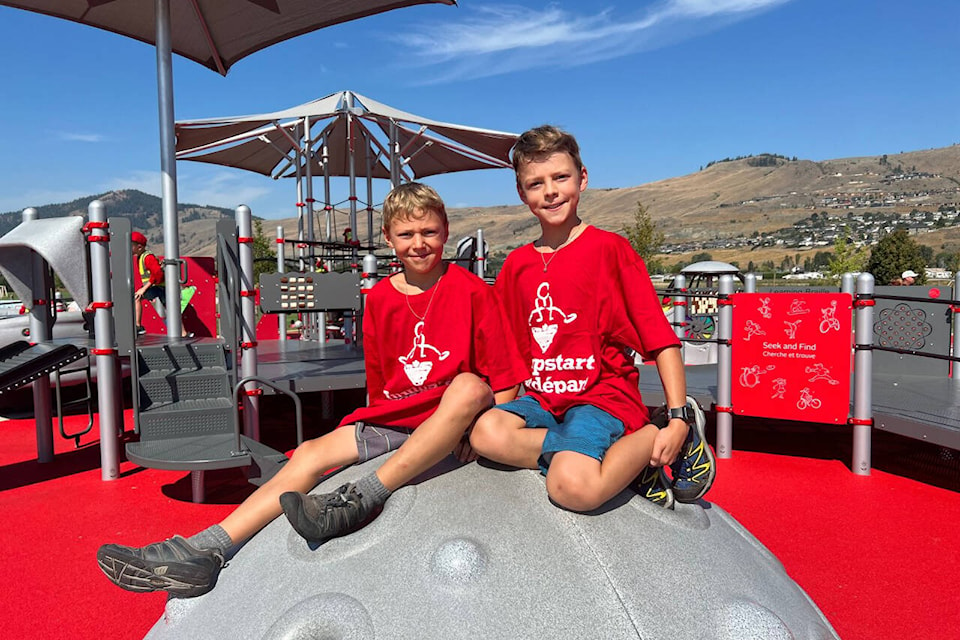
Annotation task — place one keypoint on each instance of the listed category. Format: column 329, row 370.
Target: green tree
column 645, row 238
column 892, row 255
column 846, row 258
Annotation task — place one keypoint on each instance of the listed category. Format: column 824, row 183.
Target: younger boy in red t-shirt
column 577, row 299
column 435, row 344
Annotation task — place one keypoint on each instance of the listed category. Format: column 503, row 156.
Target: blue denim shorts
column 583, row 429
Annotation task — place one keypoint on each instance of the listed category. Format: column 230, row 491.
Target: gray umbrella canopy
column 342, row 126
column 215, row 33
column 343, row 134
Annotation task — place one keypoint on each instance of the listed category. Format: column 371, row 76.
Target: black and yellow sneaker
column 652, row 484
column 174, row 566
column 696, row 467
column 321, row 517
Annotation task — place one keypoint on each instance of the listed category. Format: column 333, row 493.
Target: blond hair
column 543, row 141
column 412, row 200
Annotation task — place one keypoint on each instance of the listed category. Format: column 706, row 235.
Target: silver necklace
column 433, row 293
column 553, row 254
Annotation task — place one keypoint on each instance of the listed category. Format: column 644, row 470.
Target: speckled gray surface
column 480, row 552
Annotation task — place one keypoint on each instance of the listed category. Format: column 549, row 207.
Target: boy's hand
column 667, row 444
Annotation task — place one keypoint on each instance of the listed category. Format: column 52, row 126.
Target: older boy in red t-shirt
column 577, row 298
column 435, row 344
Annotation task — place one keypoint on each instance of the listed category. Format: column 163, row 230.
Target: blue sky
column 652, row 89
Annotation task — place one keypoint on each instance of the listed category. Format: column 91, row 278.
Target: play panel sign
column 791, row 356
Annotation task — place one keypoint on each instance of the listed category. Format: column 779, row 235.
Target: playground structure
column 891, row 364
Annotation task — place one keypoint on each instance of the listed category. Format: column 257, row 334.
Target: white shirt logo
column 416, row 364
column 543, row 319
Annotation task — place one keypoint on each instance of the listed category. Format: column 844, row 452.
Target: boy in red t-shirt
column 578, row 299
column 434, row 347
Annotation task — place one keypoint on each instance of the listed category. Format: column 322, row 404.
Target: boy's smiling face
column 551, row 187
column 418, row 242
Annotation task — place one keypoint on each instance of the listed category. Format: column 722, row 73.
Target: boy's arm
column 669, row 440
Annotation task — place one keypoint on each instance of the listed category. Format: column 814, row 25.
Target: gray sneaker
column 696, row 467
column 174, row 566
column 320, row 517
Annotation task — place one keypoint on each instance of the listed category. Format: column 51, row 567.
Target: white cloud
column 221, row 188
column 69, row 136
column 497, row 39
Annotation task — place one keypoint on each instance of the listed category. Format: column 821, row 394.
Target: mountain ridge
column 726, row 199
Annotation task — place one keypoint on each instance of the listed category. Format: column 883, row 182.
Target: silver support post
column 680, row 312
column 39, row 330
column 725, row 372
column 370, row 237
column 308, row 166
column 281, row 267
column 955, row 333
column 848, row 283
column 481, row 255
column 327, row 205
column 108, row 400
column 862, row 379
column 248, row 362
column 750, row 283
column 168, row 171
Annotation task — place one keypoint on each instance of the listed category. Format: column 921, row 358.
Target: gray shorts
column 374, row 440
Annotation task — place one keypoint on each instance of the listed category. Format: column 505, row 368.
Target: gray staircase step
column 194, row 453
column 162, row 388
column 187, row 418
column 179, row 357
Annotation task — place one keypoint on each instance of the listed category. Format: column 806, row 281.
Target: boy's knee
column 471, row 390
column 572, row 491
column 488, row 434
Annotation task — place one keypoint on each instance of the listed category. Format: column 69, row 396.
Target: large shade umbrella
column 214, row 33
column 343, row 134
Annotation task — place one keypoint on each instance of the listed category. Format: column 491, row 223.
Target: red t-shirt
column 409, row 361
column 574, row 317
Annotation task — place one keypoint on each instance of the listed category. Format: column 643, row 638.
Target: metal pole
column 39, row 332
column 955, row 332
column 108, row 400
column 281, row 268
column 680, row 312
column 308, row 161
column 327, row 205
column 481, row 255
column 248, row 363
column 369, row 196
column 168, row 171
column 725, row 372
column 750, row 283
column 862, row 379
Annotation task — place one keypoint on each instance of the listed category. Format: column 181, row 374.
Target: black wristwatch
column 685, row 413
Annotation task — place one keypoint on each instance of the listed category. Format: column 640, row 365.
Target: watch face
column 683, row 413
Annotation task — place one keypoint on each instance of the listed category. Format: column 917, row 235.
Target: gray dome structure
column 481, row 552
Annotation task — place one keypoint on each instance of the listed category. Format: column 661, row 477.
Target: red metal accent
column 300, row 204
column 248, row 345
column 244, row 240
column 724, row 302
column 680, row 303
column 352, row 199
column 280, row 240
column 954, row 308
column 98, row 238
column 860, row 421
column 94, row 225
column 39, row 303
column 103, row 352
column 310, row 200
column 101, row 305
column 328, row 208
column 720, row 409
column 248, row 293
column 864, row 303
column 254, row 392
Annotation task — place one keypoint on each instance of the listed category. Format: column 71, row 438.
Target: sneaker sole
column 141, row 576
column 700, row 425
